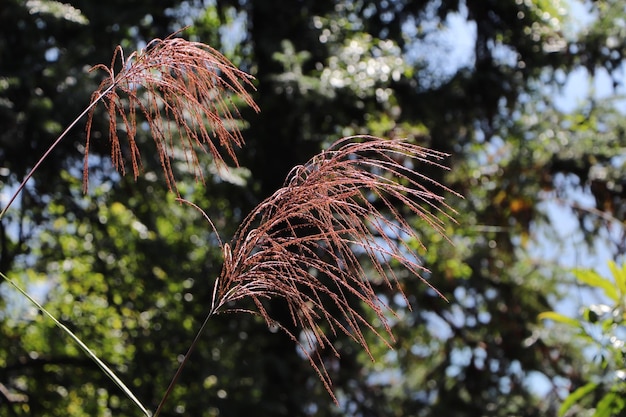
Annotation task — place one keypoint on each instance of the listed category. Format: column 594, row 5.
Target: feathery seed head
column 318, row 242
column 184, row 91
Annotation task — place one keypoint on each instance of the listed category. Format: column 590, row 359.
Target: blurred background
column 526, row 96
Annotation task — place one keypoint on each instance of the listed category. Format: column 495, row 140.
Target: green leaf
column 83, row 346
column 595, row 280
column 575, row 396
column 559, row 318
column 619, row 275
column 610, row 405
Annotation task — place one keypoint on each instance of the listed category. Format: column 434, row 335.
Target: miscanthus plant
column 314, row 243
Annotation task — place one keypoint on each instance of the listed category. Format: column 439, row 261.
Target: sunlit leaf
column 610, row 405
column 559, row 318
column 575, row 396
column 594, row 279
column 620, row 277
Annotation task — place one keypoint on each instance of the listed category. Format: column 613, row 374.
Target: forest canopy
column 526, row 98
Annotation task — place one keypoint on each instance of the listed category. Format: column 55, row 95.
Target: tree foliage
column 131, row 271
column 600, row 330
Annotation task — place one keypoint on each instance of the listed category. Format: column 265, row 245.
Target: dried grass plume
column 184, row 91
column 302, row 244
column 323, row 243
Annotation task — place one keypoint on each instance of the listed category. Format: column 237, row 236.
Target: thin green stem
column 108, row 371
column 182, row 365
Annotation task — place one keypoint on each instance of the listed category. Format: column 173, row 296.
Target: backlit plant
column 305, row 243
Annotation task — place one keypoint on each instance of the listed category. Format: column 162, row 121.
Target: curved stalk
column 108, row 371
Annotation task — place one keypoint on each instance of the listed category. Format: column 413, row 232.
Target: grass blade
column 83, row 347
